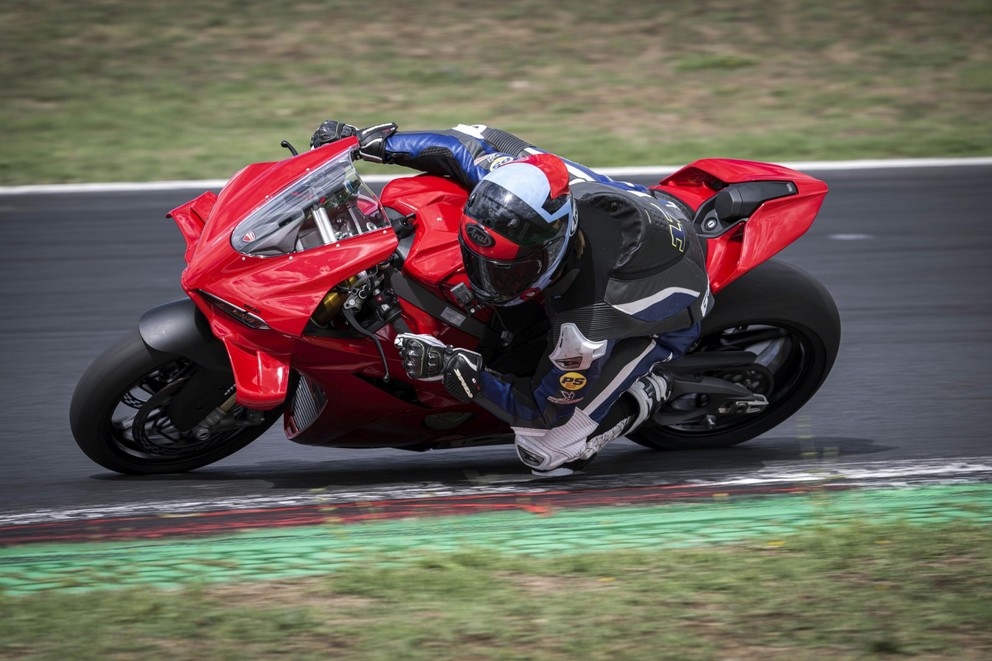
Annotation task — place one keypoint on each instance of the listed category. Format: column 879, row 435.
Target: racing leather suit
column 631, row 295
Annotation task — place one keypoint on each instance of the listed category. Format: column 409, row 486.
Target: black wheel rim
column 785, row 360
column 140, row 425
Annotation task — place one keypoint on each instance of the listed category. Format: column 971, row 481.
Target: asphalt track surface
column 907, row 254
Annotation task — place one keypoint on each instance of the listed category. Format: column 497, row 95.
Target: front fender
column 180, row 328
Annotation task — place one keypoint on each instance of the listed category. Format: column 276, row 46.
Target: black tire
column 775, row 299
column 115, row 386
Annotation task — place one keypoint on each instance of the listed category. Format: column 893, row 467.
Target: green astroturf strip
column 311, row 550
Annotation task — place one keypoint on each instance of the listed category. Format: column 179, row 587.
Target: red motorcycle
column 299, row 277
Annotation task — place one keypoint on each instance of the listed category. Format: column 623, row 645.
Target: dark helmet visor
column 498, row 281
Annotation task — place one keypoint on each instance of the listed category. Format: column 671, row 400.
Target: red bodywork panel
column 437, row 202
column 775, row 224
column 435, row 258
column 283, row 290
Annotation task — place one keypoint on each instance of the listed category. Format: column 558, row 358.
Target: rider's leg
column 603, row 414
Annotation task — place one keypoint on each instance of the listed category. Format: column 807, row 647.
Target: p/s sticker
column 572, row 381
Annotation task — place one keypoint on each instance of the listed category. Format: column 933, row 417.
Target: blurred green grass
column 857, row 591
column 110, row 90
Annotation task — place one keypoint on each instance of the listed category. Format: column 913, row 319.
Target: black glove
column 371, row 140
column 423, row 356
column 427, row 358
column 331, row 131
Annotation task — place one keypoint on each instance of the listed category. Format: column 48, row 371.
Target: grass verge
column 112, row 90
column 856, row 591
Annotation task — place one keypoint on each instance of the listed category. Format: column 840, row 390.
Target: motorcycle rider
column 620, row 273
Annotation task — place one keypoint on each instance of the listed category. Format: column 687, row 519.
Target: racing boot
column 650, row 392
column 647, row 394
column 639, row 403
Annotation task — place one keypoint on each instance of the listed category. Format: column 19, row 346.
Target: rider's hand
column 427, row 358
column 423, row 356
column 331, row 131
column 372, row 142
column 371, row 139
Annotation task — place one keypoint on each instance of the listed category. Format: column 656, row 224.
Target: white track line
column 616, row 173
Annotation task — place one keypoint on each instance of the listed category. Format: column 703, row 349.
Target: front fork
column 223, row 418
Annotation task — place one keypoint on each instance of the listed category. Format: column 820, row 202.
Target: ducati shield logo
column 478, row 235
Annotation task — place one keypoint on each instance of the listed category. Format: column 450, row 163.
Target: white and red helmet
column 516, row 227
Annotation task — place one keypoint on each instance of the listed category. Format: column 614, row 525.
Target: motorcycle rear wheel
column 119, row 417
column 783, row 313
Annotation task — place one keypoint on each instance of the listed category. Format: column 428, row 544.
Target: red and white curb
column 880, row 474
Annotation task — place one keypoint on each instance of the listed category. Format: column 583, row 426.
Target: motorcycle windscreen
column 327, row 205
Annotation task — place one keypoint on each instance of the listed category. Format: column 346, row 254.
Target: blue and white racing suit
column 632, row 294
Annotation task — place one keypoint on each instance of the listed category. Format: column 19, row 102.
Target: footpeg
column 753, row 404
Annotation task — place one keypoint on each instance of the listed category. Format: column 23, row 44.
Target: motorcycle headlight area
column 328, row 204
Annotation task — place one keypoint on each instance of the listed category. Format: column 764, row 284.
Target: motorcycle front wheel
column 119, row 415
column 790, row 321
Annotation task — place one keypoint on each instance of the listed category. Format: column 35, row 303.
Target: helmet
column 516, row 227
